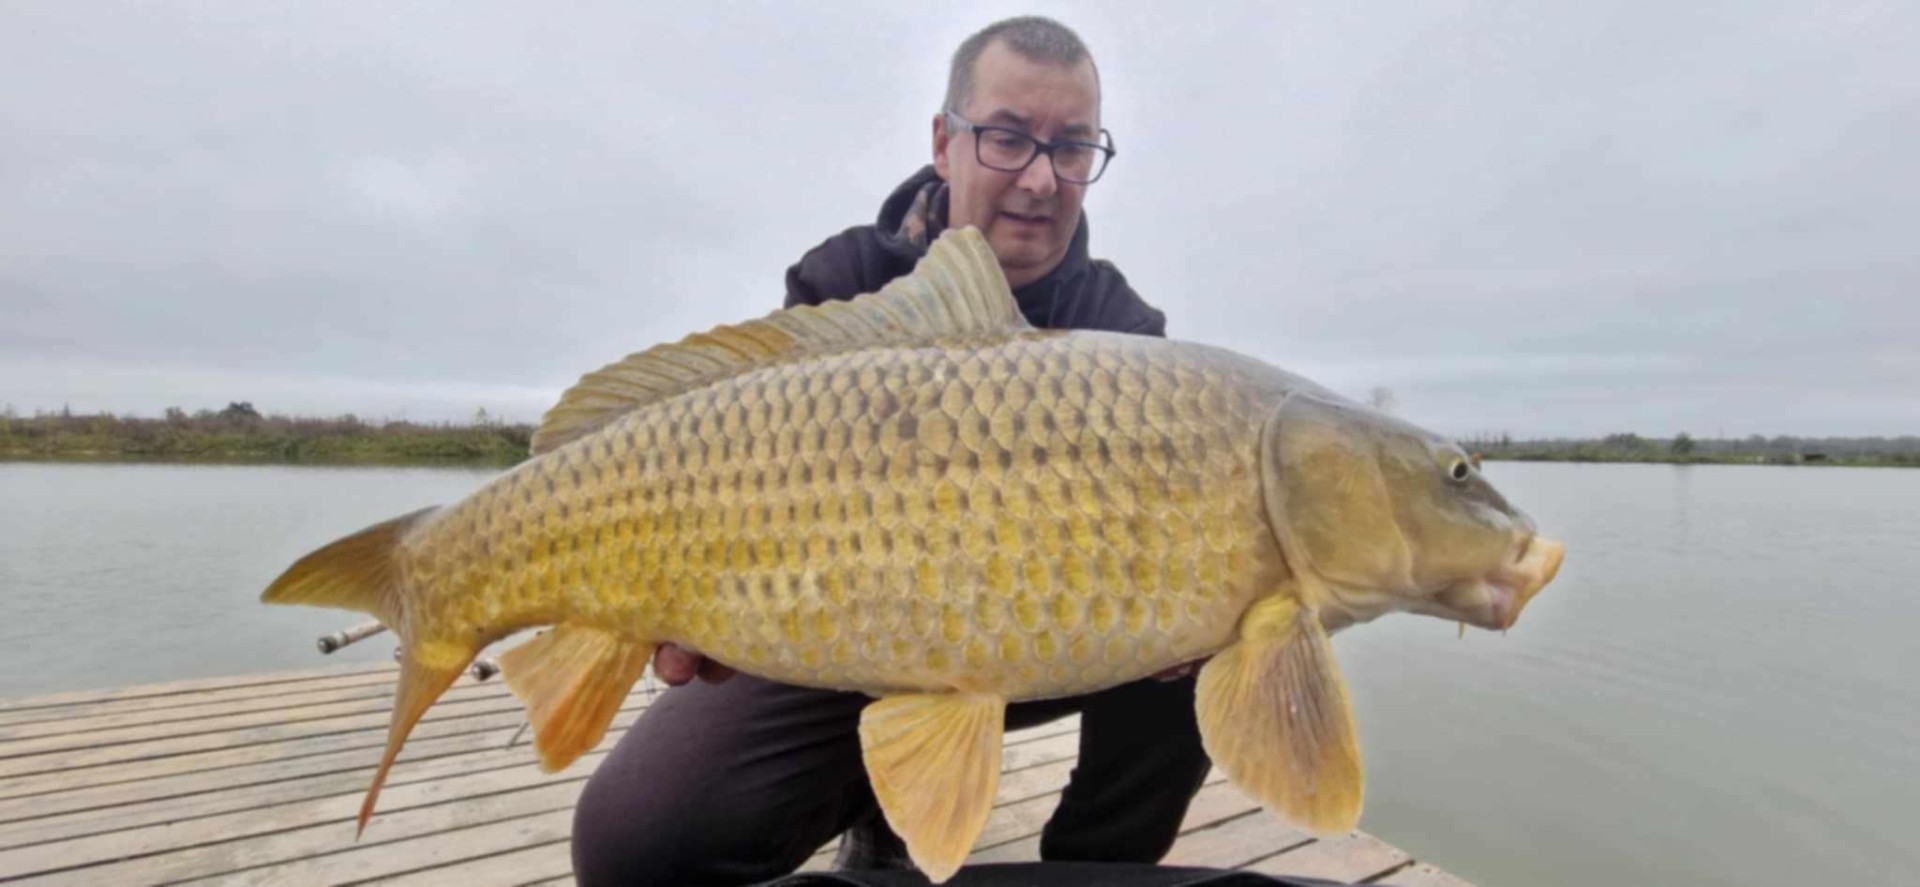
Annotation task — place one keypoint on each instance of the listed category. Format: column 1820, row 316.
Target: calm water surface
column 1723, row 687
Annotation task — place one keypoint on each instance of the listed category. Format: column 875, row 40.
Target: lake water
column 1723, row 686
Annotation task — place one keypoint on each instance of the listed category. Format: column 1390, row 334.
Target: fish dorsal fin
column 957, row 290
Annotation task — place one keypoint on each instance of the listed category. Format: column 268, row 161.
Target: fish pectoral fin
column 573, row 680
column 934, row 759
column 1273, row 714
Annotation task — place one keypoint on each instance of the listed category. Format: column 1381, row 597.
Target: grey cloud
column 1543, row 221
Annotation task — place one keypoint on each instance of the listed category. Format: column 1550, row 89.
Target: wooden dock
column 256, row 780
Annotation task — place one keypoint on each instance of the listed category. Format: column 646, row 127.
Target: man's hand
column 1179, row 671
column 677, row 666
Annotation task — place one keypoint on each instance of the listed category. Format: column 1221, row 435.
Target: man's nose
column 1038, row 177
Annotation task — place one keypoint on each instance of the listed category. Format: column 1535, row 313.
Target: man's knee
column 624, row 837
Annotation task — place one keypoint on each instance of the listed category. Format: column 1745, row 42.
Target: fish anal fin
column 956, row 290
column 934, row 759
column 573, row 680
column 420, row 685
column 1274, row 715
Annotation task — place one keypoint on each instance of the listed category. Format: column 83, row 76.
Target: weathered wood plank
column 1355, row 856
column 190, row 720
column 190, row 779
column 197, row 685
column 27, row 758
column 383, row 676
column 473, row 754
column 367, row 862
column 542, row 863
column 177, row 838
column 300, row 743
column 1421, row 874
column 238, row 781
column 227, row 815
column 1215, row 801
column 48, row 794
column 291, row 846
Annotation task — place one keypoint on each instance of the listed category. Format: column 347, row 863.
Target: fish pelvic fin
column 573, row 680
column 934, row 760
column 357, row 572
column 1274, row 715
column 957, row 290
column 420, row 684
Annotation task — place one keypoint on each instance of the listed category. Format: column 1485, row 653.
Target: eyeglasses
column 1010, row 150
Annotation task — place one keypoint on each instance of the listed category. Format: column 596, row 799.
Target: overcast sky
column 1539, row 219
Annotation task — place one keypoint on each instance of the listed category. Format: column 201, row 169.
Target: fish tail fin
column 573, row 680
column 353, row 573
column 361, row 572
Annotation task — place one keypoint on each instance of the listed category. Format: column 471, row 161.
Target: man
column 732, row 779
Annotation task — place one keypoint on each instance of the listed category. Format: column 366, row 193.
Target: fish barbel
column 917, row 495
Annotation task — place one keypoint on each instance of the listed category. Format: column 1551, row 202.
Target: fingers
column 675, row 666
column 713, row 672
column 1179, row 671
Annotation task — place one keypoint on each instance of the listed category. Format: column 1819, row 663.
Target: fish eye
column 1460, row 470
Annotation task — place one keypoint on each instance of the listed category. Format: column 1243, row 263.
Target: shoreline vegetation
column 240, row 434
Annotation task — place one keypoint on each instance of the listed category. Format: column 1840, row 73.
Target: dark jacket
column 1081, row 293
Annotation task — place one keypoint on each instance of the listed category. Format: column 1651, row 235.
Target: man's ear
column 940, row 139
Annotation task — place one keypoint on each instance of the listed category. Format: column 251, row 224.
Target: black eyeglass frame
column 1108, row 151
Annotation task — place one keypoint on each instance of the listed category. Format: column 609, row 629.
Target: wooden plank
column 47, row 794
column 1421, row 874
column 338, row 809
column 176, row 688
column 223, row 771
column 22, row 762
column 541, row 863
column 270, row 744
column 478, row 753
column 1017, row 839
column 464, row 811
column 182, row 798
column 295, row 846
column 1237, row 841
column 1348, row 858
column 189, row 720
column 365, row 863
column 382, row 677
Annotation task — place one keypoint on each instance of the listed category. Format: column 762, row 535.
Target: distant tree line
column 240, row 433
column 1685, row 448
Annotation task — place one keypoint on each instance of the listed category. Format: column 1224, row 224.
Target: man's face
column 1028, row 217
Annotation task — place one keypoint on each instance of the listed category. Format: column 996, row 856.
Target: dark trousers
column 739, row 782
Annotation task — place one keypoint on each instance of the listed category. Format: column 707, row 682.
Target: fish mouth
column 1495, row 600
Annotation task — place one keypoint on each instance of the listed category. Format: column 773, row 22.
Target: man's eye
column 1004, row 140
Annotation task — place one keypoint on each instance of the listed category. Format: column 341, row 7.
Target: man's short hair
column 1034, row 38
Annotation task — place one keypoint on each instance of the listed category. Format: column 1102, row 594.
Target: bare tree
column 1381, row 398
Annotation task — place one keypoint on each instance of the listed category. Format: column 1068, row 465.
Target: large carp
column 917, row 495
